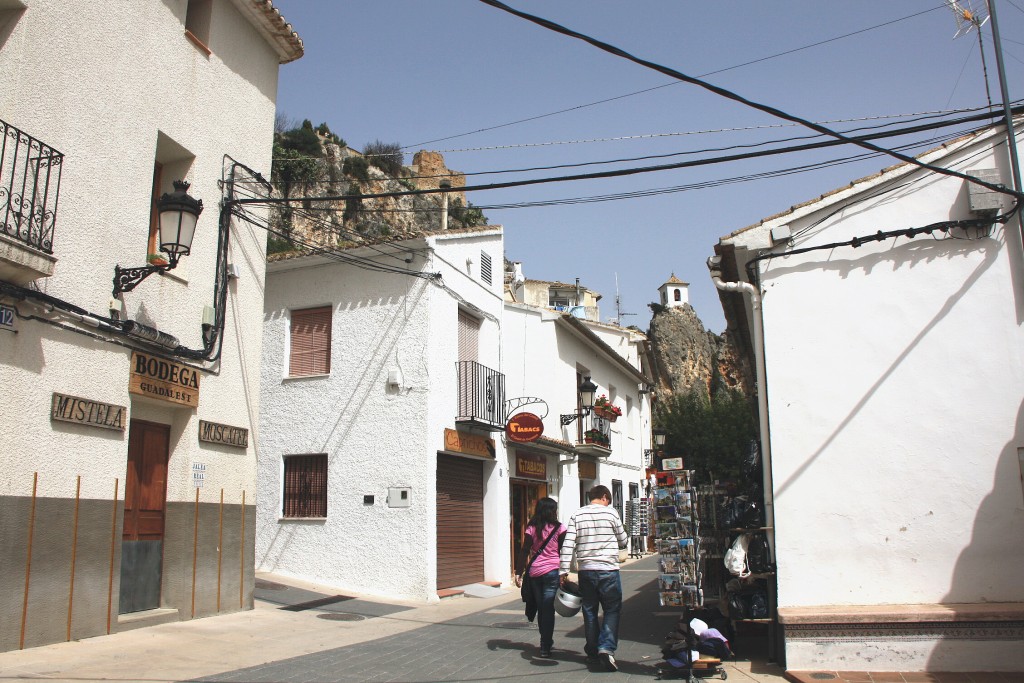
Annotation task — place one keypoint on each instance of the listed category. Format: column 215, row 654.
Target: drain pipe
column 714, row 265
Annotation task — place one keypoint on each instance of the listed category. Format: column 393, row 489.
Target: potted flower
column 595, row 436
column 604, row 408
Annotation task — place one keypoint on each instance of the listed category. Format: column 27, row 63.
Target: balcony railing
column 595, row 431
column 29, row 188
column 481, row 396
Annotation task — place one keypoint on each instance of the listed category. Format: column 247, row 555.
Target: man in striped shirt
column 596, row 534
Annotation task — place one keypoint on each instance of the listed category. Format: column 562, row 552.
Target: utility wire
column 728, row 94
column 665, row 85
column 859, row 140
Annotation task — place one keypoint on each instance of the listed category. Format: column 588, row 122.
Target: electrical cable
column 860, row 141
column 722, row 92
column 665, row 85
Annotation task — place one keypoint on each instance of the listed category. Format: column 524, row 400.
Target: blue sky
column 449, row 75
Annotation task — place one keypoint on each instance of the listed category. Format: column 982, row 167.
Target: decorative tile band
column 917, row 631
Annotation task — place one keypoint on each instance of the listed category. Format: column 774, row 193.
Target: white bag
column 736, row 557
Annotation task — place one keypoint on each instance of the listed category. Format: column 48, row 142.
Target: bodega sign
column 163, row 380
column 524, row 428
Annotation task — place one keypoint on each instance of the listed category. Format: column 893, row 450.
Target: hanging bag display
column 525, row 590
column 736, row 557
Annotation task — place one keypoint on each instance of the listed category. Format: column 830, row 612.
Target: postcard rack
column 676, row 527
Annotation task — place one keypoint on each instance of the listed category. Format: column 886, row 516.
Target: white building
column 548, row 351
column 102, row 107
column 674, row 293
column 894, row 413
column 379, row 469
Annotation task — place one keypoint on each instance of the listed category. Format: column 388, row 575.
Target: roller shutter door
column 460, row 521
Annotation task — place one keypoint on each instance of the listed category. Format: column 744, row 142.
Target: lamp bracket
column 127, row 279
column 569, row 418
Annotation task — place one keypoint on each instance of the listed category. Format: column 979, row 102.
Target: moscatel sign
column 524, row 428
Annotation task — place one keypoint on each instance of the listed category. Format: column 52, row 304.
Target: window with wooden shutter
column 305, row 486
column 310, row 349
column 469, row 337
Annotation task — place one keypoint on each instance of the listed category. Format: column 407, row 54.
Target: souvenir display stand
column 637, row 525
column 677, row 541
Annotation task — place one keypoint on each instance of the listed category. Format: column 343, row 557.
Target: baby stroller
column 689, row 655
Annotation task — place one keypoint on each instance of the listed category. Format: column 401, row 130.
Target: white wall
column 99, row 86
column 375, row 436
column 894, row 386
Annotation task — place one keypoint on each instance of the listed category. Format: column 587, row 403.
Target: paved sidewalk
column 305, row 633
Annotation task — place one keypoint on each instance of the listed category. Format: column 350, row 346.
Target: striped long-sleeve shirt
column 596, row 534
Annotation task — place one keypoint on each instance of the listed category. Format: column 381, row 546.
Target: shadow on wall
column 989, row 568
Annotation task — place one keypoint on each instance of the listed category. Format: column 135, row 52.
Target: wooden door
column 145, row 502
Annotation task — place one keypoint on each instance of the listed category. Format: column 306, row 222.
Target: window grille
column 305, row 486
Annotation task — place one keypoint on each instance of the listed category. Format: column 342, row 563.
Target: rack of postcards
column 676, row 527
column 637, row 525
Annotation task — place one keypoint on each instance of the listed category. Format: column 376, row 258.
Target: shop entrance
column 525, row 495
column 145, row 500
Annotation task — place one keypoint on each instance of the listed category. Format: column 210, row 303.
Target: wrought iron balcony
column 595, row 435
column 30, row 173
column 481, row 396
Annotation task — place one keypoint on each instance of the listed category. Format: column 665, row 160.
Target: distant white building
column 674, row 293
column 128, row 441
column 893, row 413
column 548, row 352
column 382, row 470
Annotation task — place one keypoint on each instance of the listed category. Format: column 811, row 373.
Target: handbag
column 525, row 590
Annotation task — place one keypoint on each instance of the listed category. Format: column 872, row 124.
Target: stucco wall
column 376, row 436
column 896, row 414
column 102, row 84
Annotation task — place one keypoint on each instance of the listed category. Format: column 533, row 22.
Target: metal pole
column 1011, row 138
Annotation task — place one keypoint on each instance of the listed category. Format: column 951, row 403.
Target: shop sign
column 213, row 432
column 587, row 469
column 531, row 466
column 163, row 380
column 7, row 318
column 468, row 444
column 672, row 464
column 85, row 412
column 524, row 428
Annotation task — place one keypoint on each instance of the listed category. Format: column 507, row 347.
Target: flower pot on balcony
column 605, row 414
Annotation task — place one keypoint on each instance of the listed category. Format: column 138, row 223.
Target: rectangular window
column 485, row 267
column 305, row 486
column 469, row 337
column 310, row 342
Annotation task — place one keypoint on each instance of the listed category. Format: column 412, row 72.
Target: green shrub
column 387, row 156
column 357, row 167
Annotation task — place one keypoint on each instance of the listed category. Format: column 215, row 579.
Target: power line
column 665, row 85
column 728, row 94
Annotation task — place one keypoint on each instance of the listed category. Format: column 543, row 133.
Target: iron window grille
column 30, row 172
column 305, row 486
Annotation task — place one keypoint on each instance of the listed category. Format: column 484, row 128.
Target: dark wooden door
column 460, row 521
column 145, row 502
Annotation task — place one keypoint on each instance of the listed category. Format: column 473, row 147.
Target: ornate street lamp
column 659, row 436
column 178, row 213
column 587, row 392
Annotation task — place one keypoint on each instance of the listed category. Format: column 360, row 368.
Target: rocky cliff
column 688, row 357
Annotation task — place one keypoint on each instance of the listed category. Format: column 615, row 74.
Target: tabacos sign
column 163, row 380
column 524, row 428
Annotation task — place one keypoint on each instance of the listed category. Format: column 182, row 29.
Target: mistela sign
column 163, row 380
column 85, row 412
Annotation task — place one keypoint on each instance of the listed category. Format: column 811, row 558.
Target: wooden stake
column 195, row 550
column 220, row 546
column 241, row 559
column 74, row 553
column 28, row 559
column 113, row 540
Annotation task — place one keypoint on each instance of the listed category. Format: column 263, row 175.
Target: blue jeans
column 605, row 589
column 544, row 588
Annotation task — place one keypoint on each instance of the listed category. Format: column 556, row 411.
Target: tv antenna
column 618, row 304
column 967, row 19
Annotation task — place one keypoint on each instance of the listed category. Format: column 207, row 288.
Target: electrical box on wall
column 399, row 496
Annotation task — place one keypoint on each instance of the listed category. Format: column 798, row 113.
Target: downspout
column 714, row 265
